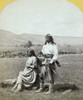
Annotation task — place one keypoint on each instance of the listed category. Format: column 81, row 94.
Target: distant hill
column 9, row 38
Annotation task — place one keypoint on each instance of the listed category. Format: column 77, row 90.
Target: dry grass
column 71, row 71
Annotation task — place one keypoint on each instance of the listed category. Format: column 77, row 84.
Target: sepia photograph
column 41, row 49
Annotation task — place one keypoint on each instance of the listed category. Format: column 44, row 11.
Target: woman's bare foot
column 14, row 87
column 19, row 88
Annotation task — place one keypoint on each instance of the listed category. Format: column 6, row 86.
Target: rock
column 7, row 83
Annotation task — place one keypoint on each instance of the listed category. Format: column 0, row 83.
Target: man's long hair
column 51, row 39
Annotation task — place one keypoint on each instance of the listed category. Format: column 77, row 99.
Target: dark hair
column 33, row 54
column 51, row 39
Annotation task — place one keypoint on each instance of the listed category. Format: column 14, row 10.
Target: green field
column 71, row 71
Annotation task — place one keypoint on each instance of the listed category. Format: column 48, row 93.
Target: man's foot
column 59, row 65
column 35, row 88
column 49, row 92
column 40, row 90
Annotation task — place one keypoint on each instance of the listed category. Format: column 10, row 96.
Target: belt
column 48, row 55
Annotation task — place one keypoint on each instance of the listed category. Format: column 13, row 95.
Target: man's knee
column 43, row 71
column 51, row 81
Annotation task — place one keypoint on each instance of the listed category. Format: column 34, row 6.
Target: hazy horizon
column 40, row 34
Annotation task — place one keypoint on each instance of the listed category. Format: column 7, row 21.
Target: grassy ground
column 31, row 95
column 71, row 71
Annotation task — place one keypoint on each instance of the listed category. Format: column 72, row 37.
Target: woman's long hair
column 33, row 54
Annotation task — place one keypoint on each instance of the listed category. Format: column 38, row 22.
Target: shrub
column 28, row 44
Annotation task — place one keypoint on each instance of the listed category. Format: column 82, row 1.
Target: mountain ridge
column 12, row 38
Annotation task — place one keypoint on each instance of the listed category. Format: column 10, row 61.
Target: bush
column 28, row 44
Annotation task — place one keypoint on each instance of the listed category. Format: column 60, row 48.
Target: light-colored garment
column 49, row 70
column 51, row 49
column 27, row 77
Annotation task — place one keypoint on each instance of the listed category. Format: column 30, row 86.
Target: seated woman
column 28, row 76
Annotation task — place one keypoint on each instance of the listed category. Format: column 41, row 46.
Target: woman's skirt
column 27, row 77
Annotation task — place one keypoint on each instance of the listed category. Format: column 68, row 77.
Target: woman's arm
column 34, row 63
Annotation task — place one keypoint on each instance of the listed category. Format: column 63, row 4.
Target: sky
column 57, row 17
